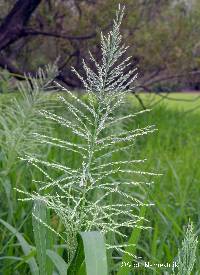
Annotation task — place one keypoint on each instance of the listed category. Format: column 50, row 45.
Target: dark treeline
column 163, row 34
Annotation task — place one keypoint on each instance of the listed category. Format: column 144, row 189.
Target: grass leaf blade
column 95, row 253
column 25, row 247
column 58, row 262
column 42, row 237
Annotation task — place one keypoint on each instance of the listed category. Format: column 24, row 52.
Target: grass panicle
column 92, row 196
column 19, row 119
column 187, row 253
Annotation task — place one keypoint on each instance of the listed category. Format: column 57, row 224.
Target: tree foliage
column 165, row 30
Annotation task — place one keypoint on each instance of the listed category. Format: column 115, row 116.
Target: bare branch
column 32, row 32
column 168, row 77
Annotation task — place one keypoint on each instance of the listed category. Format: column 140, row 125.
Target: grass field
column 173, row 150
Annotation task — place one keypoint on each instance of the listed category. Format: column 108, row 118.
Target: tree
column 163, row 36
column 13, row 28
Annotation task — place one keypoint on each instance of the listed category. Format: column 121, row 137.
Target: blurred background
column 163, row 38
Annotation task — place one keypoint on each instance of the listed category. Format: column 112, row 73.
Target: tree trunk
column 12, row 26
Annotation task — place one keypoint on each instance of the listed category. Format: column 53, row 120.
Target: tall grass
column 19, row 119
column 176, row 193
column 94, row 194
column 174, row 152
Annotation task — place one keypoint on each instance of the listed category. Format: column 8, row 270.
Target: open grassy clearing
column 174, row 151
column 180, row 101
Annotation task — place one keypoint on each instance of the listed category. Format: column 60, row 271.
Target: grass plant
column 90, row 196
column 175, row 194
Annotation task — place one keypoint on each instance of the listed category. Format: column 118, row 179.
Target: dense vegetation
column 172, row 150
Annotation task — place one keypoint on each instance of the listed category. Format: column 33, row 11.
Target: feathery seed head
column 87, row 197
